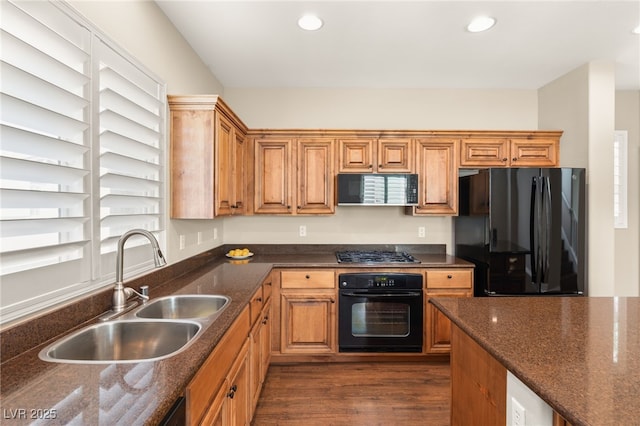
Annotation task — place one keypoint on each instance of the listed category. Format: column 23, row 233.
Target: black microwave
column 369, row 189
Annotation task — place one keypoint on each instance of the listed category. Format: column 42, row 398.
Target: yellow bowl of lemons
column 239, row 253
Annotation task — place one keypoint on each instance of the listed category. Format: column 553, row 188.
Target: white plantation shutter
column 130, row 135
column 81, row 154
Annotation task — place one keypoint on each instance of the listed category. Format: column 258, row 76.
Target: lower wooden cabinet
column 226, row 388
column 231, row 404
column 217, row 371
column 308, row 322
column 443, row 283
column 259, row 352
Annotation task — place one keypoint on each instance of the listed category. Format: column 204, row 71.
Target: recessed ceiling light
column 636, row 30
column 481, row 23
column 310, row 22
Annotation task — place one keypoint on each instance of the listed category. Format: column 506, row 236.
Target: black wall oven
column 380, row 312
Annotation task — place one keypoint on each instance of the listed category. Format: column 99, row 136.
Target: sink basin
column 122, row 341
column 184, row 306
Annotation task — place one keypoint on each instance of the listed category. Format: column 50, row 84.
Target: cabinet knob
column 514, row 159
column 288, row 207
column 269, row 283
column 379, row 166
column 299, row 207
column 449, row 277
column 504, row 159
column 332, row 300
column 259, row 299
column 232, row 391
column 307, row 276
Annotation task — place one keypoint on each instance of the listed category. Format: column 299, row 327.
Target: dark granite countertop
column 130, row 393
column 579, row 354
column 141, row 393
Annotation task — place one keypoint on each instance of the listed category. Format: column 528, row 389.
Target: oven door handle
column 373, row 295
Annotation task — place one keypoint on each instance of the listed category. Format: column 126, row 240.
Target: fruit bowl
column 238, row 254
column 239, row 257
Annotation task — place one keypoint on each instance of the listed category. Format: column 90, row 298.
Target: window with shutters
column 82, row 145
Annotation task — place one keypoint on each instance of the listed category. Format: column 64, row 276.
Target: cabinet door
column 308, row 322
column 356, row 155
column 437, row 167
column 239, row 184
column 239, row 389
column 273, row 186
column 315, row 176
column 484, row 152
column 255, row 363
column 225, row 147
column 218, row 412
column 259, row 354
column 192, row 165
column 394, row 156
column 265, row 340
column 534, row 153
column 438, row 326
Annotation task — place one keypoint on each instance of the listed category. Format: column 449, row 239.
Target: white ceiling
column 408, row 44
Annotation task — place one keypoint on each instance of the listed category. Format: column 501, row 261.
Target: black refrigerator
column 524, row 229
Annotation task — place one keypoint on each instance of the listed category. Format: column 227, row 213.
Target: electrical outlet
column 183, row 242
column 199, row 237
column 302, row 231
column 517, row 413
column 215, row 233
column 421, row 232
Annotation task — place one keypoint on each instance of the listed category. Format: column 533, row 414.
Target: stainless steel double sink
column 158, row 329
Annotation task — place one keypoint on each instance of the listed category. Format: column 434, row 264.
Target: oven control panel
column 380, row 281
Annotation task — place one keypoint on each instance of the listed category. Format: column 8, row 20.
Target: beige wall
column 582, row 103
column 370, row 109
column 627, row 241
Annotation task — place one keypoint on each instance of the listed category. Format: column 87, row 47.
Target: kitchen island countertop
column 579, row 354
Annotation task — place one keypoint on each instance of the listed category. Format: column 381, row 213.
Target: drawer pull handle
column 259, row 299
column 449, row 276
column 307, row 276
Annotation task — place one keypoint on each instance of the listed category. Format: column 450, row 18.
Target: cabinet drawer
column 307, row 279
column 449, row 278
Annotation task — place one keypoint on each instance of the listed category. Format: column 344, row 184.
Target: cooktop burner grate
column 355, row 256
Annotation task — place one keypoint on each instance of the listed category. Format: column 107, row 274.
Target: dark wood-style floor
column 385, row 393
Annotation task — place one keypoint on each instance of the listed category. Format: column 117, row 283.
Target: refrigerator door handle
column 547, row 226
column 537, row 256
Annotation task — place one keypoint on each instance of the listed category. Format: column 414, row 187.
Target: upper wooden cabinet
column 294, row 176
column 207, row 158
column 437, row 168
column 369, row 155
column 273, row 174
column 510, row 152
column 315, row 182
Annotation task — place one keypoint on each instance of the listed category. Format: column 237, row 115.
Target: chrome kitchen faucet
column 121, row 293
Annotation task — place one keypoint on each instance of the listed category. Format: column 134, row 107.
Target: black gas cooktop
column 356, row 256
